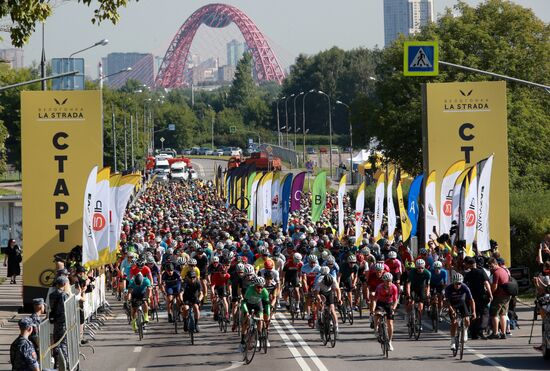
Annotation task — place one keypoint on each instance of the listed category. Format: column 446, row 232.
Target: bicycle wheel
column 139, row 325
column 302, row 306
column 175, row 315
column 342, row 309
column 461, row 339
column 223, row 315
column 263, row 340
column 191, row 327
column 417, row 325
column 411, row 324
column 324, row 330
column 457, row 341
column 250, row 346
column 434, row 317
column 350, row 314
column 292, row 306
column 238, row 321
column 384, row 338
column 332, row 328
column 360, row 303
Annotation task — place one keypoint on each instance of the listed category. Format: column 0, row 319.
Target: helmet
column 192, row 274
column 457, row 278
column 331, row 260
column 438, row 265
column 268, row 275
column 297, row 257
column 140, row 263
column 387, row 277
column 365, row 251
column 277, row 251
column 420, row 263
column 138, row 279
column 158, row 239
column 259, row 281
column 325, row 270
column 352, row 259
column 150, row 260
column 181, row 260
column 392, row 255
column 325, row 254
column 170, row 251
column 240, row 267
column 192, row 262
column 216, row 259
column 328, row 280
column 423, row 251
column 268, row 264
column 312, row 259
column 248, row 269
column 379, row 267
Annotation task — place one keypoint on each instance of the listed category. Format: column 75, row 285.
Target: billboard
column 468, row 121
column 61, row 140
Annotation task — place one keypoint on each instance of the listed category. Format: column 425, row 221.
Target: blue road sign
column 420, row 58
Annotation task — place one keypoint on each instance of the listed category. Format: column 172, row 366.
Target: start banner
column 61, row 140
column 468, row 121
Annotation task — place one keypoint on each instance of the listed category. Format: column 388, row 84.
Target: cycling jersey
column 311, row 271
column 347, row 271
column 173, row 280
column 202, row 263
column 139, row 291
column 218, row 276
column 419, row 280
column 386, row 295
column 320, row 286
column 186, row 269
column 145, row 271
column 258, row 301
column 373, row 280
column 394, row 265
column 125, row 267
column 438, row 279
column 291, row 270
column 155, row 272
column 191, row 291
column 458, row 296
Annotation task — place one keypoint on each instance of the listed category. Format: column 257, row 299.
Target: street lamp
column 350, row 141
column 301, row 93
column 286, row 114
column 304, row 131
column 278, row 123
column 329, row 129
column 101, row 78
column 102, row 42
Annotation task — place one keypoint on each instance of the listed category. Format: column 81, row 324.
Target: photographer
column 83, row 286
column 543, row 255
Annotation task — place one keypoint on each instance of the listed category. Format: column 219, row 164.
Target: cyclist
column 348, row 276
column 139, row 291
column 292, row 271
column 192, row 295
column 325, row 288
column 126, row 266
column 202, row 263
column 418, row 287
column 171, row 287
column 386, row 299
column 309, row 272
column 458, row 298
column 141, row 267
column 438, row 281
column 255, row 299
column 236, row 279
column 396, row 268
column 191, row 266
column 218, row 278
column 374, row 279
column 271, row 285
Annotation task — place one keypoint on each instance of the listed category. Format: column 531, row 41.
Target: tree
column 25, row 15
column 243, row 87
column 496, row 36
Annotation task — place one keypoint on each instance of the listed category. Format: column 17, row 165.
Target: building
column 142, row 64
column 13, row 56
column 235, row 50
column 405, row 17
column 226, row 73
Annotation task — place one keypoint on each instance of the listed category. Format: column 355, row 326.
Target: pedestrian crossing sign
column 420, row 58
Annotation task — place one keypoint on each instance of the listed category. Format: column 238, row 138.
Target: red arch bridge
column 172, row 70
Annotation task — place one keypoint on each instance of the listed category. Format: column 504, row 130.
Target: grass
column 224, row 158
column 6, row 192
column 528, row 296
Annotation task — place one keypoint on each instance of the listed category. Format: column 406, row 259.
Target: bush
column 529, row 221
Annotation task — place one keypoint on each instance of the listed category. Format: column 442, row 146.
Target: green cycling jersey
column 257, row 299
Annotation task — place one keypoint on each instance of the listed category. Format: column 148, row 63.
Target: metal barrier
column 72, row 323
column 45, row 339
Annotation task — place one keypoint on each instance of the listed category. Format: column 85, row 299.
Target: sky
column 291, row 26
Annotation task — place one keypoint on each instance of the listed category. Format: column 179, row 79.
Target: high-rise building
column 405, row 17
column 235, row 50
column 13, row 56
column 142, row 64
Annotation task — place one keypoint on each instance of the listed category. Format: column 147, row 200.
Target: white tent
column 361, row 157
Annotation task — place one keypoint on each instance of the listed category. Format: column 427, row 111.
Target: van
column 161, row 165
column 178, row 171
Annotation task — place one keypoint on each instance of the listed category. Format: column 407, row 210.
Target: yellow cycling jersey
column 185, row 270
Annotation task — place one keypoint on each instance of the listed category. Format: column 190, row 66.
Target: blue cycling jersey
column 438, row 278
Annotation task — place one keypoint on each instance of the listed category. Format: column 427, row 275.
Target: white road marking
column 131, row 369
column 234, row 364
column 137, row 349
column 302, row 343
column 297, row 356
column 490, row 361
column 201, row 169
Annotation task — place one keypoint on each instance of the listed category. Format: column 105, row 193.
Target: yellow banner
column 469, row 121
column 61, row 142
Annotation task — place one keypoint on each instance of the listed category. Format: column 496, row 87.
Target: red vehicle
column 263, row 161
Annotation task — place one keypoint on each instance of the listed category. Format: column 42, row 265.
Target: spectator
column 478, row 282
column 36, row 319
column 12, row 259
column 22, row 354
column 499, row 306
column 544, row 251
column 57, row 316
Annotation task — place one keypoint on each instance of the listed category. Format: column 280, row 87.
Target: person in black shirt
column 478, row 282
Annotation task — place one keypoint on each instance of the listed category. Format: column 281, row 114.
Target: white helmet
column 248, row 269
column 438, row 265
column 379, row 267
column 352, row 259
column 215, row 259
column 325, row 270
column 392, row 255
column 387, row 277
column 297, row 257
column 420, row 263
column 312, row 259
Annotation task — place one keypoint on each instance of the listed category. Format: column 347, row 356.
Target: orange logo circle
column 470, row 218
column 99, row 222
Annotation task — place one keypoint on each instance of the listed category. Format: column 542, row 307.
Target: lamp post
column 350, row 141
column 297, row 95
column 114, row 135
column 102, row 42
column 278, row 123
column 304, row 132
column 329, row 129
column 101, row 78
column 286, row 114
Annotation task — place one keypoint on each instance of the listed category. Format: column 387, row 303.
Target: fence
column 45, row 339
column 284, row 154
column 73, row 333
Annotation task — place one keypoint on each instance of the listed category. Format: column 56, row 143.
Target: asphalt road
column 297, row 347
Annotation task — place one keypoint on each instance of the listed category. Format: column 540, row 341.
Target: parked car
column 310, row 150
column 334, row 149
column 209, row 152
column 195, row 151
column 323, row 150
column 236, row 151
column 218, row 152
column 186, row 151
column 226, row 151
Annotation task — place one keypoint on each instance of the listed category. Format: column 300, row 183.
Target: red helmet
column 268, row 264
column 360, row 258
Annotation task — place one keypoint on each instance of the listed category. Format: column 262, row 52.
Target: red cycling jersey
column 145, row 271
column 386, row 295
column 394, row 265
column 373, row 280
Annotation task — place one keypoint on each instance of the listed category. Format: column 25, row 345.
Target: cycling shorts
column 173, row 290
column 438, row 289
column 329, row 297
column 386, row 307
column 418, row 295
column 221, row 291
column 461, row 308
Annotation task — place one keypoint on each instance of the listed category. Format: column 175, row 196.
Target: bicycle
column 328, row 327
column 459, row 335
column 293, row 303
column 382, row 333
column 251, row 341
column 414, row 324
column 237, row 318
column 360, row 299
column 346, row 310
column 140, row 320
column 222, row 321
column 434, row 312
column 154, row 313
column 191, row 324
column 128, row 310
column 175, row 313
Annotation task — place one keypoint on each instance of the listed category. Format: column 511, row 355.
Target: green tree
column 243, row 87
column 25, row 15
column 496, row 36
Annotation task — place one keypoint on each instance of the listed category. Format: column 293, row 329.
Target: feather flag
column 89, row 246
column 470, row 210
column 378, row 206
column 285, row 200
column 406, row 225
column 296, row 191
column 359, row 208
column 114, row 181
column 392, row 219
column 431, row 221
column 318, row 196
column 412, row 203
column 101, row 217
column 457, row 203
column 483, row 197
column 341, row 194
column 275, row 196
column 446, row 197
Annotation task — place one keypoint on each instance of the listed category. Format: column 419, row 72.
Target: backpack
column 511, row 287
